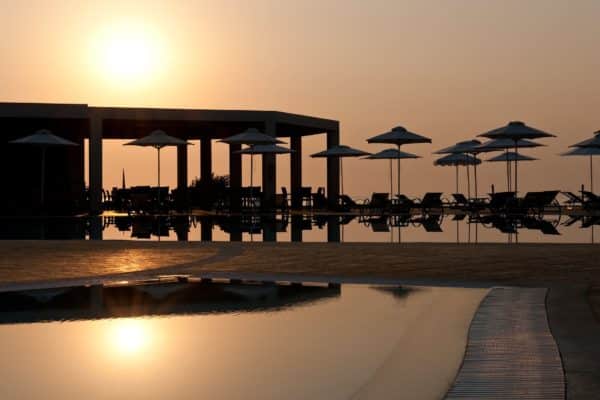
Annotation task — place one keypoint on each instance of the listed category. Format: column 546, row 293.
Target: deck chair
column 432, row 200
column 537, row 201
column 378, row 202
column 591, row 201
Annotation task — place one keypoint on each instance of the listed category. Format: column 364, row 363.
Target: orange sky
column 448, row 70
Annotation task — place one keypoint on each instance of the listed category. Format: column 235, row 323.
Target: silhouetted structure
column 77, row 122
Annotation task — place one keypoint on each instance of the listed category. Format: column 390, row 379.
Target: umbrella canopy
column 456, row 160
column 516, row 130
column 251, row 136
column 593, row 142
column 339, row 152
column 157, row 139
column 399, row 136
column 503, row 144
column 467, row 146
column 511, row 156
column 43, row 137
column 590, row 151
column 391, row 154
column 264, row 149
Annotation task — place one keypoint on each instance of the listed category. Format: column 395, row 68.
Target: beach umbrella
column 43, row 139
column 340, row 152
column 593, row 142
column 391, row 154
column 456, row 160
column 465, row 147
column 586, row 151
column 262, row 149
column 399, row 136
column 157, row 139
column 515, row 131
column 589, row 147
column 508, row 157
column 251, row 137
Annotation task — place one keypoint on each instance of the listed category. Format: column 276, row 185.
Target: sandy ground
column 523, row 264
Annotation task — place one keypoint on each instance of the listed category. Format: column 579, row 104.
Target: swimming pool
column 356, row 341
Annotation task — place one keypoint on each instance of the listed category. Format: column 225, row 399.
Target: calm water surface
column 365, row 343
column 434, row 228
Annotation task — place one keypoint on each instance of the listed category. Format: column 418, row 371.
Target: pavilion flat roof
column 121, row 122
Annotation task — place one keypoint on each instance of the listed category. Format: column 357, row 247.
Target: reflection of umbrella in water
column 456, row 160
column 43, row 139
column 340, row 152
column 157, row 139
column 399, row 136
column 515, row 131
column 391, row 154
column 590, row 147
column 465, row 147
column 509, row 157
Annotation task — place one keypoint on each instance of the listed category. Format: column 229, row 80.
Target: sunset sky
column 446, row 69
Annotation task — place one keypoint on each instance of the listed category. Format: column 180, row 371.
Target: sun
column 128, row 54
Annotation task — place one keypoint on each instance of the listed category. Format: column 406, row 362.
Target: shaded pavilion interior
column 65, row 167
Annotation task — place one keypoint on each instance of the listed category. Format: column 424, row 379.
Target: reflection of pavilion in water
column 267, row 227
column 173, row 296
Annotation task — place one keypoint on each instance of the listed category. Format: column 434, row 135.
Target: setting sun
column 128, row 54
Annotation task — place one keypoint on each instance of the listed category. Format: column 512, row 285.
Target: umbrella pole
column 475, row 171
column 391, row 180
column 158, row 196
column 342, row 175
column 591, row 174
column 516, row 169
column 456, row 180
column 468, row 183
column 398, row 174
column 43, row 176
column 251, row 179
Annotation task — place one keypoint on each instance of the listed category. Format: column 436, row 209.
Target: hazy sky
column 445, row 69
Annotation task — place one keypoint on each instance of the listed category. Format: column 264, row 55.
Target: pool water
column 310, row 228
column 363, row 342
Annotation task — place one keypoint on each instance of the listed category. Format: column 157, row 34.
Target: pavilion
column 78, row 122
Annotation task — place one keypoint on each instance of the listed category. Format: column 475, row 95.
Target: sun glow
column 129, row 54
column 130, row 336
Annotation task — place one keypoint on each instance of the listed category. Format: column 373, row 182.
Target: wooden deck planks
column 511, row 353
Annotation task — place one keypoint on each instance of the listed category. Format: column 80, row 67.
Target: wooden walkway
column 511, row 353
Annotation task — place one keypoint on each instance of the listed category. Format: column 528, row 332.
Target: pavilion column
column 296, row 171
column 235, row 177
column 269, row 177
column 182, row 177
column 95, row 165
column 205, row 159
column 333, row 169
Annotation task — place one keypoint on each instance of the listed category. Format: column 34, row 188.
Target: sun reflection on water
column 130, row 336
